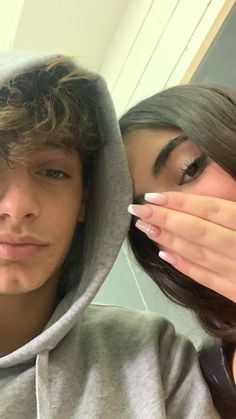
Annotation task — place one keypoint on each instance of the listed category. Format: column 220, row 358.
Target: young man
column 64, row 192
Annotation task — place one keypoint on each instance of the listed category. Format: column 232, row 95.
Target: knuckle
column 213, row 209
column 187, row 269
column 163, row 218
column 177, row 200
column 178, row 245
column 198, row 231
column 199, row 255
column 169, row 239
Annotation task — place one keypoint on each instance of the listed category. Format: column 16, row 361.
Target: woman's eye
column 54, row 174
column 193, row 169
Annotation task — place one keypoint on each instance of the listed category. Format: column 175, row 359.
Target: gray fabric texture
column 98, row 362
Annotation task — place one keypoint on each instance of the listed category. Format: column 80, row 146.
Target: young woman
column 181, row 148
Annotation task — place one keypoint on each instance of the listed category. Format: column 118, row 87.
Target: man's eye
column 54, row 174
column 193, row 169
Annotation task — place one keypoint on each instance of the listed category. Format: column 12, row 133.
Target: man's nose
column 18, row 199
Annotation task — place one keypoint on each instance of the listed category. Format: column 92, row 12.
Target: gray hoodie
column 98, row 362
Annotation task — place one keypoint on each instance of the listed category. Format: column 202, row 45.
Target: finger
column 192, row 252
column 216, row 210
column 216, row 238
column 202, row 275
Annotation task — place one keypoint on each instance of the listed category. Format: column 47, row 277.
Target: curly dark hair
column 51, row 105
column 207, row 115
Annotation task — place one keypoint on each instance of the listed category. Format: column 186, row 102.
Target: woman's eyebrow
column 166, row 152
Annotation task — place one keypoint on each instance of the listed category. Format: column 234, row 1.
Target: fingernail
column 149, row 229
column 167, row 257
column 156, row 198
column 141, row 211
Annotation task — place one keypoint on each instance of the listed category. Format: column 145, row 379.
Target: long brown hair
column 207, row 115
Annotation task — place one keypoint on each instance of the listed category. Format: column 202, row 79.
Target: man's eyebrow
column 166, row 152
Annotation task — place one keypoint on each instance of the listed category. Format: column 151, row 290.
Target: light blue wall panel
column 156, row 301
column 128, row 286
column 120, row 288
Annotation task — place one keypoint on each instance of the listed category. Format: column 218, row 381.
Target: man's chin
column 18, row 284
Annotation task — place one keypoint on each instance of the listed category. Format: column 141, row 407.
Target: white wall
column 81, row 28
column 154, row 45
column 10, row 12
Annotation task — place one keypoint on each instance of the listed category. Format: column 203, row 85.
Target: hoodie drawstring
column 41, row 384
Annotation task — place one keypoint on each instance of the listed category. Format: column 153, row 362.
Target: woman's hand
column 197, row 235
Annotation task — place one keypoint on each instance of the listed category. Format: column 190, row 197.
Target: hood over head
column 107, row 218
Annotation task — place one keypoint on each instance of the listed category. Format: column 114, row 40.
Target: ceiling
column 81, row 28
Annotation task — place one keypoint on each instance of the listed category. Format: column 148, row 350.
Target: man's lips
column 10, row 238
column 15, row 247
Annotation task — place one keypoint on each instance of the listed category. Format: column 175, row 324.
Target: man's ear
column 83, row 206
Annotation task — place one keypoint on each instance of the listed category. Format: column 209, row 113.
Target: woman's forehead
column 144, row 135
column 142, row 144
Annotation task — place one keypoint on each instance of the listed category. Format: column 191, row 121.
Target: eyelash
column 58, row 173
column 201, row 162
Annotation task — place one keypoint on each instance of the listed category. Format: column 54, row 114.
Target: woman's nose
column 18, row 199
